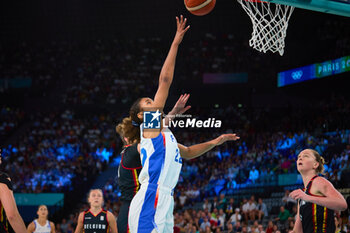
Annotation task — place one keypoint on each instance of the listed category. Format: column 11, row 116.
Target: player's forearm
column 78, row 229
column 338, row 204
column 17, row 223
column 199, row 149
column 297, row 227
column 167, row 72
column 295, row 230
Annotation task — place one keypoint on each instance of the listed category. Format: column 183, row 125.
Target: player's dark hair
column 130, row 126
column 41, row 206
column 134, row 110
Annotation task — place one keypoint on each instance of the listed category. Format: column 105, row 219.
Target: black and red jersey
column 315, row 218
column 95, row 223
column 128, row 172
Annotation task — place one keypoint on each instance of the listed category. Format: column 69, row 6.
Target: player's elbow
column 11, row 215
column 185, row 153
column 165, row 79
column 343, row 206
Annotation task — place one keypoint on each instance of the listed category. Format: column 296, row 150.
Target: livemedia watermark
column 152, row 120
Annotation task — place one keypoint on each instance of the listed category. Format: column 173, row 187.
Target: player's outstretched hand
column 226, row 137
column 181, row 29
column 180, row 106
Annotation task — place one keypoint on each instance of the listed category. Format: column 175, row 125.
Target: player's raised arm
column 167, row 72
column 194, row 151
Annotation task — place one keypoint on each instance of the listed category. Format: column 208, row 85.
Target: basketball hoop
column 270, row 22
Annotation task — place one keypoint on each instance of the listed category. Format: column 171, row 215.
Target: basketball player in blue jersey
column 151, row 209
column 130, row 164
column 319, row 199
column 96, row 219
column 42, row 224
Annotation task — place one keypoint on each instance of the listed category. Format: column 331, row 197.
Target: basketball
column 200, row 7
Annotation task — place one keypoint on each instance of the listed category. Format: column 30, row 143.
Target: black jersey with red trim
column 128, row 172
column 5, row 226
column 315, row 218
column 95, row 223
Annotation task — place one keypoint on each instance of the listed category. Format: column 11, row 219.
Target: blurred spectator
column 221, row 219
column 254, row 174
column 205, row 224
column 288, row 201
column 262, row 209
column 230, row 228
column 235, row 217
column 269, row 228
column 245, row 209
column 283, row 216
column 237, row 227
column 207, row 205
column 222, row 202
column 252, row 208
column 231, row 206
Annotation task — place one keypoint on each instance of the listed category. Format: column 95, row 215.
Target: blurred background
column 70, row 70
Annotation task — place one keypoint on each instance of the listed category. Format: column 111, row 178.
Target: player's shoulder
column 31, row 226
column 131, row 149
column 82, row 213
column 4, row 177
column 110, row 214
column 320, row 181
column 5, row 181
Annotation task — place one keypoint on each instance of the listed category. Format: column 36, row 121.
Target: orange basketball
column 200, row 7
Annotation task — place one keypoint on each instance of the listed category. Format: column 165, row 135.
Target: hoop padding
column 270, row 23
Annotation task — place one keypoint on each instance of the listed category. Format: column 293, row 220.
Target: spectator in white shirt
column 245, row 209
column 183, row 199
column 221, row 219
column 235, row 217
column 252, row 208
column 206, row 205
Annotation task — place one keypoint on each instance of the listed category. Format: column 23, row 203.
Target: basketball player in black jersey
column 96, row 219
column 319, row 199
column 130, row 165
column 10, row 219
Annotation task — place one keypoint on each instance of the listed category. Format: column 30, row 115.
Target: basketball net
column 270, row 22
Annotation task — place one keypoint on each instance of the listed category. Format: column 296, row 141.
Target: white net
column 270, row 22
